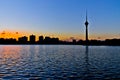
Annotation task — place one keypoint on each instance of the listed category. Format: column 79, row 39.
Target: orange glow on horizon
column 61, row 36
column 10, row 34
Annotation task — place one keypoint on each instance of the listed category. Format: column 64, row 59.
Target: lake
column 56, row 62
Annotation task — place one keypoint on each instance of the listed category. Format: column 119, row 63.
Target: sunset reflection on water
column 24, row 62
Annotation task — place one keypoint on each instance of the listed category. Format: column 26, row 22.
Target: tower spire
column 86, row 15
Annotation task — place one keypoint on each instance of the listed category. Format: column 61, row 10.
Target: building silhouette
column 23, row 39
column 74, row 41
column 8, row 41
column 32, row 38
column 55, row 40
column 86, row 25
column 41, row 39
column 47, row 40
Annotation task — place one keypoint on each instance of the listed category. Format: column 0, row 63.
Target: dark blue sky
column 61, row 17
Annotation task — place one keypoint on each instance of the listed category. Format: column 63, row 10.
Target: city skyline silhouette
column 53, row 40
column 63, row 19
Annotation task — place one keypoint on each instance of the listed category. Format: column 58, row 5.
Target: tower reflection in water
column 87, row 74
column 87, row 58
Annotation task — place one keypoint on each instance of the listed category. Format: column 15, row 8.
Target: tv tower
column 86, row 25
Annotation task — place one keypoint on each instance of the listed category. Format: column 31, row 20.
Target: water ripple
column 56, row 62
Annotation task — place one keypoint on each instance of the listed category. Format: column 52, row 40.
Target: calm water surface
column 56, row 62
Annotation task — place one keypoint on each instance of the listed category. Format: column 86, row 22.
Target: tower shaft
column 86, row 33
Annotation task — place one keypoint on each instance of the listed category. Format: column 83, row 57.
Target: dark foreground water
column 58, row 62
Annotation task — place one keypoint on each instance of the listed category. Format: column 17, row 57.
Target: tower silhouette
column 86, row 25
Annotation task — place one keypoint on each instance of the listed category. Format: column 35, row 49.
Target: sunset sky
column 60, row 18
